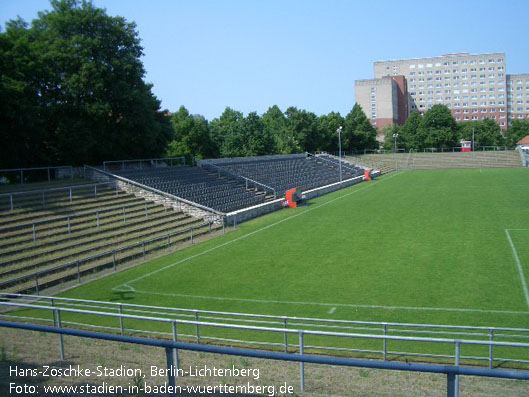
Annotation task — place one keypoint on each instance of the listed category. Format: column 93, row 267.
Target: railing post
column 11, row 203
column 192, row 235
column 117, row 189
column 78, row 272
column 301, row 364
column 235, row 221
column 456, row 381
column 121, row 326
column 48, row 169
column 385, row 342
column 491, row 339
column 285, row 335
column 146, row 214
column 69, row 226
column 21, row 177
column 175, row 351
column 451, row 385
column 124, row 215
column 95, row 191
column 196, row 326
column 170, row 368
column 209, row 227
column 52, row 302
column 70, row 195
column 61, row 341
column 168, row 243
column 37, row 284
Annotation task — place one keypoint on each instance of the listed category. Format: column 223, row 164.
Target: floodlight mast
column 339, row 131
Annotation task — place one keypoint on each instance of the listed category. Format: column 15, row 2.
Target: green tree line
column 438, row 129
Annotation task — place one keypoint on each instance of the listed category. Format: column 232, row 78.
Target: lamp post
column 339, row 131
column 395, row 142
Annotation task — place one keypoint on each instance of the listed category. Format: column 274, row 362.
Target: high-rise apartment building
column 472, row 86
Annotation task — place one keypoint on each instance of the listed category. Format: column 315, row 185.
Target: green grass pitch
column 413, row 246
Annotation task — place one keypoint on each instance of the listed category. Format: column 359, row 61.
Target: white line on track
column 332, row 305
column 127, row 284
column 518, row 263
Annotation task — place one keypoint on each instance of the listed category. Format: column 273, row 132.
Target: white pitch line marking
column 520, row 269
column 250, row 234
column 331, row 304
column 333, row 309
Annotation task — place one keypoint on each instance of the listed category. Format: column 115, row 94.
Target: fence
column 107, row 259
column 376, row 333
column 39, row 173
column 175, row 324
column 47, row 196
column 142, row 163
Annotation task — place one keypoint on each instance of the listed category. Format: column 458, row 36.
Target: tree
column 437, row 128
column 77, row 79
column 275, row 123
column 327, row 127
column 409, row 135
column 518, row 130
column 191, row 136
column 302, row 125
column 220, row 128
column 486, row 132
column 249, row 137
column 358, row 133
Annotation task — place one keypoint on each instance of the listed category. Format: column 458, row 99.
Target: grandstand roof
column 524, row 141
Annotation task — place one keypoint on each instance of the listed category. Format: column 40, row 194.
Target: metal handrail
column 233, row 174
column 140, row 160
column 270, row 329
column 70, row 264
column 56, row 188
column 65, row 217
column 267, row 316
column 159, row 192
column 330, row 155
column 172, row 357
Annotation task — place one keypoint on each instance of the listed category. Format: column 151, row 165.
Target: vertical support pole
column 491, row 339
column 198, row 334
column 61, row 341
column 70, row 195
column 456, row 381
column 170, row 369
column 48, row 169
column 21, row 177
column 11, row 203
column 192, row 235
column 175, row 351
column 69, row 227
column 385, row 342
column 168, row 243
column 123, row 214
column 97, row 219
column 223, row 227
column 114, row 259
column 301, row 364
column 209, row 227
column 95, row 191
column 53, row 313
column 235, row 221
column 117, row 191
column 285, row 335
column 451, row 385
column 78, row 272
column 121, row 326
column 146, row 214
column 37, row 284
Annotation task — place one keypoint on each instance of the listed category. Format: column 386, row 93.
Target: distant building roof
column 524, row 141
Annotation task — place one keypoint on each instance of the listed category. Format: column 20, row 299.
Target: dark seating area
column 285, row 172
column 197, row 185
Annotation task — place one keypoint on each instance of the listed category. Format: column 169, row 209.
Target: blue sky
column 249, row 55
